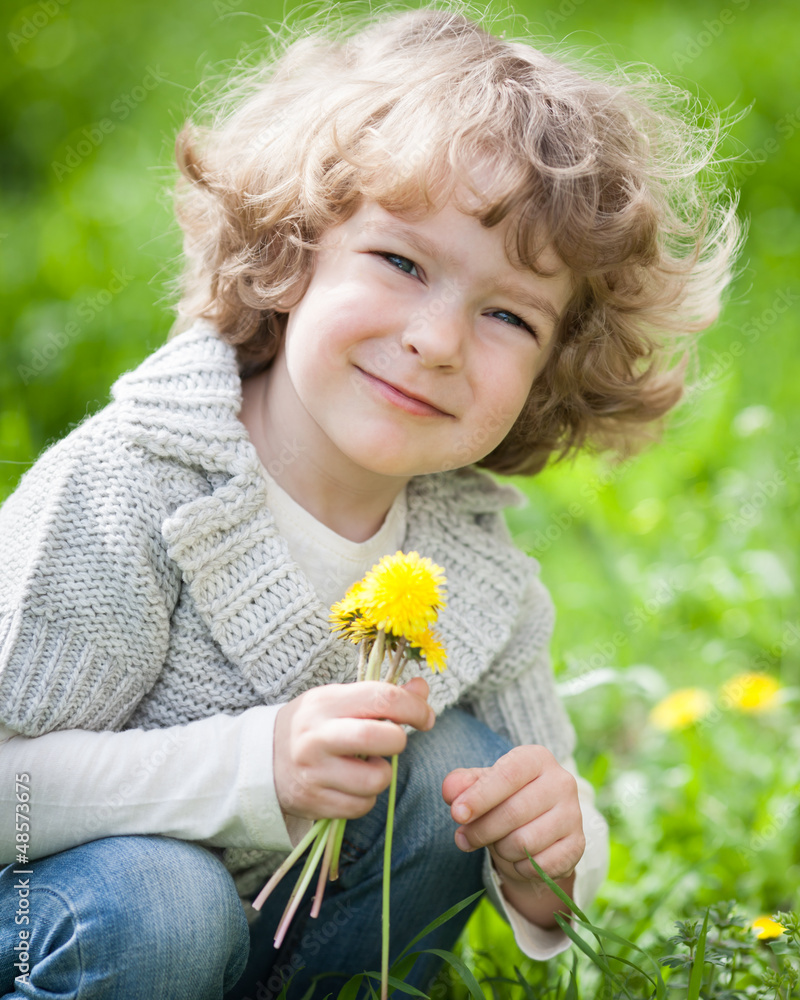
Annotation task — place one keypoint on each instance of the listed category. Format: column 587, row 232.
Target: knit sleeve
column 518, row 699
column 86, row 587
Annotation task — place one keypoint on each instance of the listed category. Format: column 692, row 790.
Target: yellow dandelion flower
column 355, row 630
column 429, row 647
column 402, row 594
column 766, row 928
column 351, row 602
column 681, row 708
column 346, row 615
column 753, row 692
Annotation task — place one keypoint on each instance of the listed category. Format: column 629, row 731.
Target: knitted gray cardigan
column 144, row 584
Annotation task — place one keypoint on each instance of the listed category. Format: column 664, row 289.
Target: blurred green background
column 676, row 570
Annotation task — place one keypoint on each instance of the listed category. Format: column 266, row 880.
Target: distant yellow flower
column 428, row 645
column 402, row 594
column 766, row 928
column 754, row 692
column 681, row 708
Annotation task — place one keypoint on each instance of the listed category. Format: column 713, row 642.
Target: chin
column 381, row 462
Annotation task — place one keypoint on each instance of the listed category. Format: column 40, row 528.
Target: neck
column 350, row 501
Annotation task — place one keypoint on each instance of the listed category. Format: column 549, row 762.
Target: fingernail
column 462, row 841
column 431, row 718
column 462, row 813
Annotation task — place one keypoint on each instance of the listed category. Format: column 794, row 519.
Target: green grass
column 676, row 570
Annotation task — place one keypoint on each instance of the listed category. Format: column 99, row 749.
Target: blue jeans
column 144, row 917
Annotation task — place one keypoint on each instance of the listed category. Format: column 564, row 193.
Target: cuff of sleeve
column 268, row 825
column 536, row 942
column 296, row 827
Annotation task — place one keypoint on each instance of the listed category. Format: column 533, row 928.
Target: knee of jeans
column 457, row 740
column 156, row 897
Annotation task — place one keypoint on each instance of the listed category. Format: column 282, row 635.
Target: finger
column 458, row 781
column 366, row 699
column 331, row 804
column 417, row 686
column 342, row 775
column 379, row 700
column 512, row 835
column 360, row 778
column 360, row 737
column 558, row 860
column 512, row 815
column 370, row 699
column 508, row 775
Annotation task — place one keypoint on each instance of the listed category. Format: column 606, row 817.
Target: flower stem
column 311, row 836
column 362, row 659
column 387, row 876
column 376, row 657
column 339, row 825
column 302, row 884
column 324, row 868
column 393, row 674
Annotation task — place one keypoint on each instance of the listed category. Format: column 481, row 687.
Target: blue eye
column 497, row 312
column 521, row 322
column 397, row 256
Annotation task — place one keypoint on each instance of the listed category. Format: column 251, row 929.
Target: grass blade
column 661, row 988
column 443, row 918
column 572, row 988
column 398, row 984
column 570, row 903
column 401, row 968
column 466, row 976
column 350, row 989
column 696, row 977
column 587, row 949
column 527, row 989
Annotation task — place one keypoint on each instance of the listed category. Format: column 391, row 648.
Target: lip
column 408, row 401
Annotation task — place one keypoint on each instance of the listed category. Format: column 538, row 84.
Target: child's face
column 404, row 359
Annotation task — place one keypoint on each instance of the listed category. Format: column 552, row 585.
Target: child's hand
column 525, row 802
column 320, row 735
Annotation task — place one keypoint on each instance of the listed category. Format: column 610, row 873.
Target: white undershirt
column 212, row 781
column 331, row 562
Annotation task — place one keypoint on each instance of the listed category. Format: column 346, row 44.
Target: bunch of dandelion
column 390, row 615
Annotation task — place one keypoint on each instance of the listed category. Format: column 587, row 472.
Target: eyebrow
column 431, row 249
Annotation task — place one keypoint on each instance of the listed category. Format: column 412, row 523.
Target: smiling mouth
column 403, row 399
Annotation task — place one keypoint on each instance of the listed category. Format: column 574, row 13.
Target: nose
column 438, row 337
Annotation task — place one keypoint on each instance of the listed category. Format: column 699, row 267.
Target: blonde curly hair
column 609, row 167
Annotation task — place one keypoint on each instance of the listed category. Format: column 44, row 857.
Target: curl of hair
column 615, row 169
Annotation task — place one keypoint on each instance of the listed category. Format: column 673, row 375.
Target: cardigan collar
column 182, row 404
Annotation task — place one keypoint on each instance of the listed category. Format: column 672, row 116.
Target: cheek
column 500, row 404
column 507, row 394
column 315, row 340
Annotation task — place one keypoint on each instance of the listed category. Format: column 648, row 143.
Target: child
column 411, row 250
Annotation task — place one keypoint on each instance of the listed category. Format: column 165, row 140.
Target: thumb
column 418, row 686
column 459, row 781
